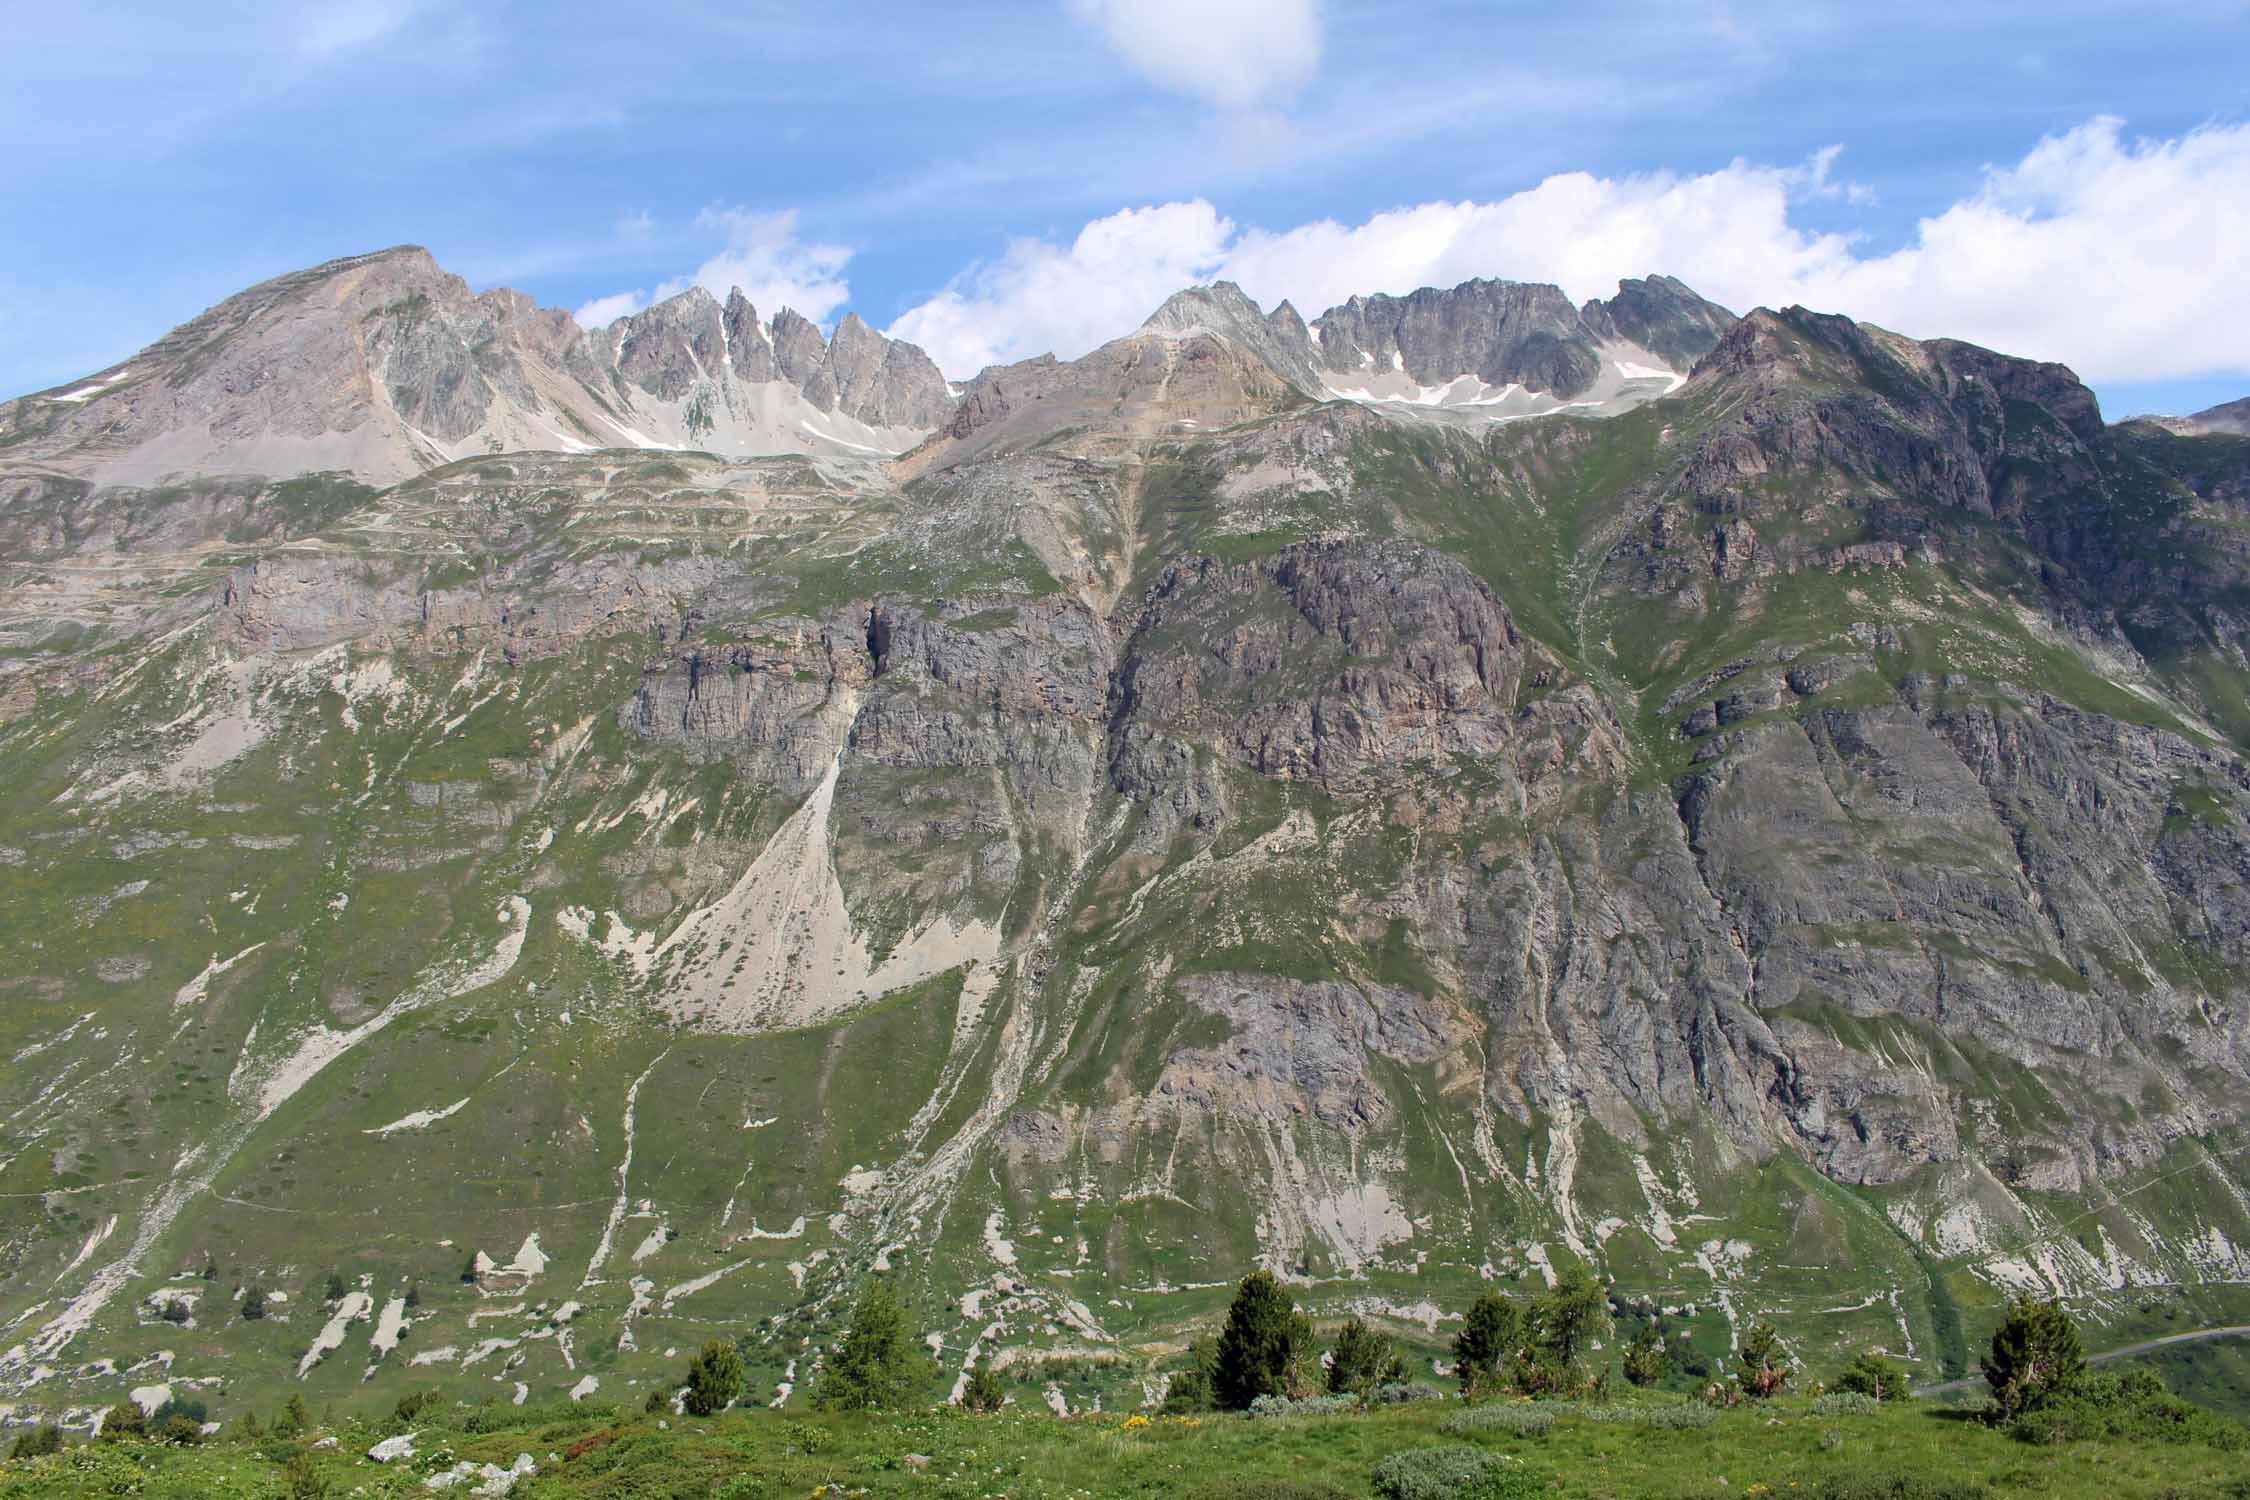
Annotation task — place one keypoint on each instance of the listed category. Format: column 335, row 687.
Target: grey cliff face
column 1502, row 332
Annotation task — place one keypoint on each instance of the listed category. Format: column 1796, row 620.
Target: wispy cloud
column 1235, row 54
column 321, row 30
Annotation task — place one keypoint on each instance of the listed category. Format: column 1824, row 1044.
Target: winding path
column 2234, row 1330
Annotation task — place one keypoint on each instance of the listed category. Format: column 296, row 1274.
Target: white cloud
column 1040, row 297
column 2110, row 255
column 323, row 29
column 603, row 311
column 1236, row 54
column 762, row 256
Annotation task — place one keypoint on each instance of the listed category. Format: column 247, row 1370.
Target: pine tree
column 253, row 1305
column 1361, row 1360
column 1573, row 1314
column 1264, row 1338
column 334, row 1290
column 984, row 1392
column 2036, row 1354
column 1645, row 1361
column 122, row 1421
column 294, row 1418
column 714, row 1378
column 1765, row 1364
column 877, row 1367
column 1491, row 1334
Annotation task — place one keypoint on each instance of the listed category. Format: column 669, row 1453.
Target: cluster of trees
column 1267, row 1347
column 1539, row 1346
column 877, row 1367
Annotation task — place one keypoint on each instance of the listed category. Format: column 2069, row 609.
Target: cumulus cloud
column 1040, row 297
column 2105, row 253
column 1236, row 54
column 762, row 255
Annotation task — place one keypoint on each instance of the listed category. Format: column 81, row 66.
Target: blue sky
column 2067, row 180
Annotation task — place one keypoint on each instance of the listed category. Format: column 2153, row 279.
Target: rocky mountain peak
column 2231, row 417
column 1223, row 310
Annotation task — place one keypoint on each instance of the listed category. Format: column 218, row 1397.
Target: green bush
column 123, row 1421
column 42, row 1440
column 983, row 1391
column 1518, row 1419
column 1687, row 1417
column 1845, row 1404
column 301, row 1479
column 2137, row 1408
column 1454, row 1473
column 181, row 1431
column 190, row 1407
column 1874, row 1376
column 294, row 1418
column 714, row 1378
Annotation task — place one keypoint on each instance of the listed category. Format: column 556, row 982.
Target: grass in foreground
column 1775, row 1449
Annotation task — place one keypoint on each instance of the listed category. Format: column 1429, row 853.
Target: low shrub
column 1845, row 1404
column 1454, row 1473
column 301, row 1479
column 1401, row 1393
column 1670, row 1418
column 2137, row 1408
column 181, row 1431
column 191, row 1407
column 1515, row 1419
column 40, row 1441
column 1873, row 1375
column 1307, row 1406
column 1266, row 1489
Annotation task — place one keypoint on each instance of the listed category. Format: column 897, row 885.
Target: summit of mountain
column 381, row 366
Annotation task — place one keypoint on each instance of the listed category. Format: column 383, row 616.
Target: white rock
column 389, row 1448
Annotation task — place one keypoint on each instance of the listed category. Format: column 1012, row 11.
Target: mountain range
column 598, row 836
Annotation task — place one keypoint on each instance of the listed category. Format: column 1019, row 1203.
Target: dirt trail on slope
column 2200, row 1335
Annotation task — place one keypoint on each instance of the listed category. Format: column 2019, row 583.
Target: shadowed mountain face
column 1412, row 798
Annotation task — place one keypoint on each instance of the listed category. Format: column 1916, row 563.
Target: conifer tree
column 1265, row 1340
